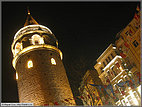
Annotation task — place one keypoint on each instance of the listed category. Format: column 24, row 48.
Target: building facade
column 119, row 66
column 40, row 73
column 91, row 95
column 128, row 44
column 132, row 40
column 114, row 71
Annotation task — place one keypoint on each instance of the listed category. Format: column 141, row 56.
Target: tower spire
column 28, row 11
column 30, row 20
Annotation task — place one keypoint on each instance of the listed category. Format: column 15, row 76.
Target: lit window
column 121, row 68
column 133, row 98
column 41, row 41
column 18, row 47
column 36, row 39
column 53, row 61
column 16, row 76
column 30, row 64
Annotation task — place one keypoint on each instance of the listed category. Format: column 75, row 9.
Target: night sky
column 84, row 30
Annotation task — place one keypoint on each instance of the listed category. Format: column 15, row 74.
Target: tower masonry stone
column 41, row 76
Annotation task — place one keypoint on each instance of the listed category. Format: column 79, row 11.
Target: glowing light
column 124, row 76
column 36, row 39
column 114, row 47
column 116, row 62
column 57, row 43
column 99, row 62
column 16, row 76
column 23, row 30
column 41, row 40
column 126, row 100
column 30, row 64
column 118, row 103
column 121, row 68
column 28, row 12
column 133, row 98
column 53, row 61
column 111, row 66
column 16, row 35
column 18, row 47
column 139, row 89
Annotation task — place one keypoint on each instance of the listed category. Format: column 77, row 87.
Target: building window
column 123, row 102
column 118, row 103
column 121, row 89
column 128, row 33
column 136, row 95
column 115, row 87
column 16, row 76
column 101, row 69
column 107, row 79
column 135, row 43
column 109, row 76
column 116, row 52
column 109, row 58
column 104, row 64
column 112, row 55
column 53, row 61
column 130, row 100
column 107, row 61
column 30, row 64
column 125, row 77
column 114, row 72
column 18, row 47
column 36, row 39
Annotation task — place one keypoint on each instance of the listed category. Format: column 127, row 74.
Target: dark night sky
column 84, row 30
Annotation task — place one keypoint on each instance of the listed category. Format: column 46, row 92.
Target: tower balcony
column 32, row 35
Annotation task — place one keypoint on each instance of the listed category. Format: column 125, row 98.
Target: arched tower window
column 30, row 64
column 53, row 61
column 16, row 76
column 36, row 39
column 25, row 42
column 18, row 47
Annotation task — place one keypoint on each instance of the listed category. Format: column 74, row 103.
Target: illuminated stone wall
column 43, row 83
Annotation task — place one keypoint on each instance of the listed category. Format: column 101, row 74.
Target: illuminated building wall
column 90, row 95
column 40, row 73
column 132, row 40
column 113, row 69
column 121, row 63
column 128, row 44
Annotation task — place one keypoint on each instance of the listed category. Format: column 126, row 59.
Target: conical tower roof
column 30, row 20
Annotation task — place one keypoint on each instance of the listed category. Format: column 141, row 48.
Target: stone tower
column 40, row 73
